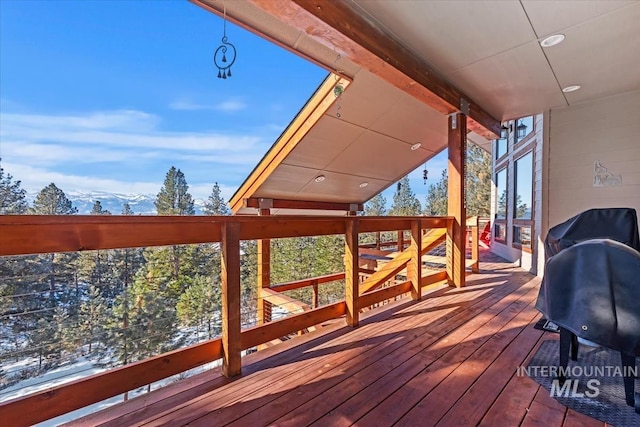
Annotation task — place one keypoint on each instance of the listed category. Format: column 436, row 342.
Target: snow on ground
column 81, row 368
column 60, row 375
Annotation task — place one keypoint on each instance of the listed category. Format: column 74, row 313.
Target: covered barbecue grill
column 591, row 285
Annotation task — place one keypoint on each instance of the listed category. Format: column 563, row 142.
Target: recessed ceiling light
column 571, row 88
column 552, row 40
column 415, row 146
column 320, row 178
column 363, row 184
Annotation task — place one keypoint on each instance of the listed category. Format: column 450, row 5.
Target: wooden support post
column 475, row 253
column 351, row 272
column 377, row 240
column 414, row 267
column 264, row 275
column 456, row 193
column 314, row 303
column 400, row 240
column 231, row 345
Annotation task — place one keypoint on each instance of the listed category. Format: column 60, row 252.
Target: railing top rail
column 32, row 234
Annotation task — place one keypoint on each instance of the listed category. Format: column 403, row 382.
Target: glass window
column 501, row 147
column 500, row 231
column 524, row 187
column 501, row 194
column 522, row 235
column 524, row 127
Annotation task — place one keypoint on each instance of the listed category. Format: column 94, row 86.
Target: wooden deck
column 448, row 360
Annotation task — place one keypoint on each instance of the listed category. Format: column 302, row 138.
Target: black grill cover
column 620, row 224
column 593, row 290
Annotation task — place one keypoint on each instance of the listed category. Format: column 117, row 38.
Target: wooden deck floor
column 449, row 360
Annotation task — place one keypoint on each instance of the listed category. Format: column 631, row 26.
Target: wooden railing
column 45, row 234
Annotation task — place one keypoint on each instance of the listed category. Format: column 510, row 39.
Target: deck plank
column 460, row 374
column 217, row 411
column 354, row 401
column 447, row 360
column 540, row 415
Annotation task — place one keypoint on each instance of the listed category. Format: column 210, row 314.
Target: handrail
column 297, row 284
column 42, row 234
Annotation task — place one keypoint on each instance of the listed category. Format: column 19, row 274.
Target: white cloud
column 121, row 151
column 226, row 106
column 38, row 178
column 128, row 129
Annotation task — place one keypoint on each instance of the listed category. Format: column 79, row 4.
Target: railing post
column 264, row 275
column 457, row 144
column 414, row 267
column 314, row 303
column 351, row 272
column 475, row 253
column 400, row 240
column 231, row 345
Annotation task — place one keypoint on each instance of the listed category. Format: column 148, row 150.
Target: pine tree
column 200, row 306
column 405, row 202
column 436, row 200
column 98, row 210
column 215, row 204
column 477, row 183
column 376, row 206
column 57, row 275
column 52, row 201
column 174, row 197
column 12, row 196
column 126, row 210
column 92, row 319
column 13, row 270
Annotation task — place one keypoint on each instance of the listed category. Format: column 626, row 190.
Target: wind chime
column 338, row 89
column 425, row 174
column 225, row 54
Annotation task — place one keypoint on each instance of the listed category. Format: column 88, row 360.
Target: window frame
column 519, row 223
column 501, row 222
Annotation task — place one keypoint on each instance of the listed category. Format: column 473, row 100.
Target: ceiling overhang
column 339, row 28
column 337, row 25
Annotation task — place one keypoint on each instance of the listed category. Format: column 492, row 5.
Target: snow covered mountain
column 141, row 204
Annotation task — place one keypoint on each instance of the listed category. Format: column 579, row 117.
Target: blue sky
column 108, row 95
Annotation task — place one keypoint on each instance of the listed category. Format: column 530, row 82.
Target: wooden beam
column 55, row 401
column 303, row 283
column 252, row 337
column 383, row 294
column 338, row 25
column 351, row 272
column 31, row 234
column 277, row 227
column 430, row 240
column 292, row 306
column 414, row 266
column 255, row 202
column 456, row 195
column 303, row 122
column 264, row 274
column 231, row 326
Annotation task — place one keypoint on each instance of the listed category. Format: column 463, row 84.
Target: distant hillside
column 141, row 204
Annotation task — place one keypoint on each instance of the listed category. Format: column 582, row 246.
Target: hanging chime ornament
column 425, row 174
column 338, row 89
column 225, row 54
